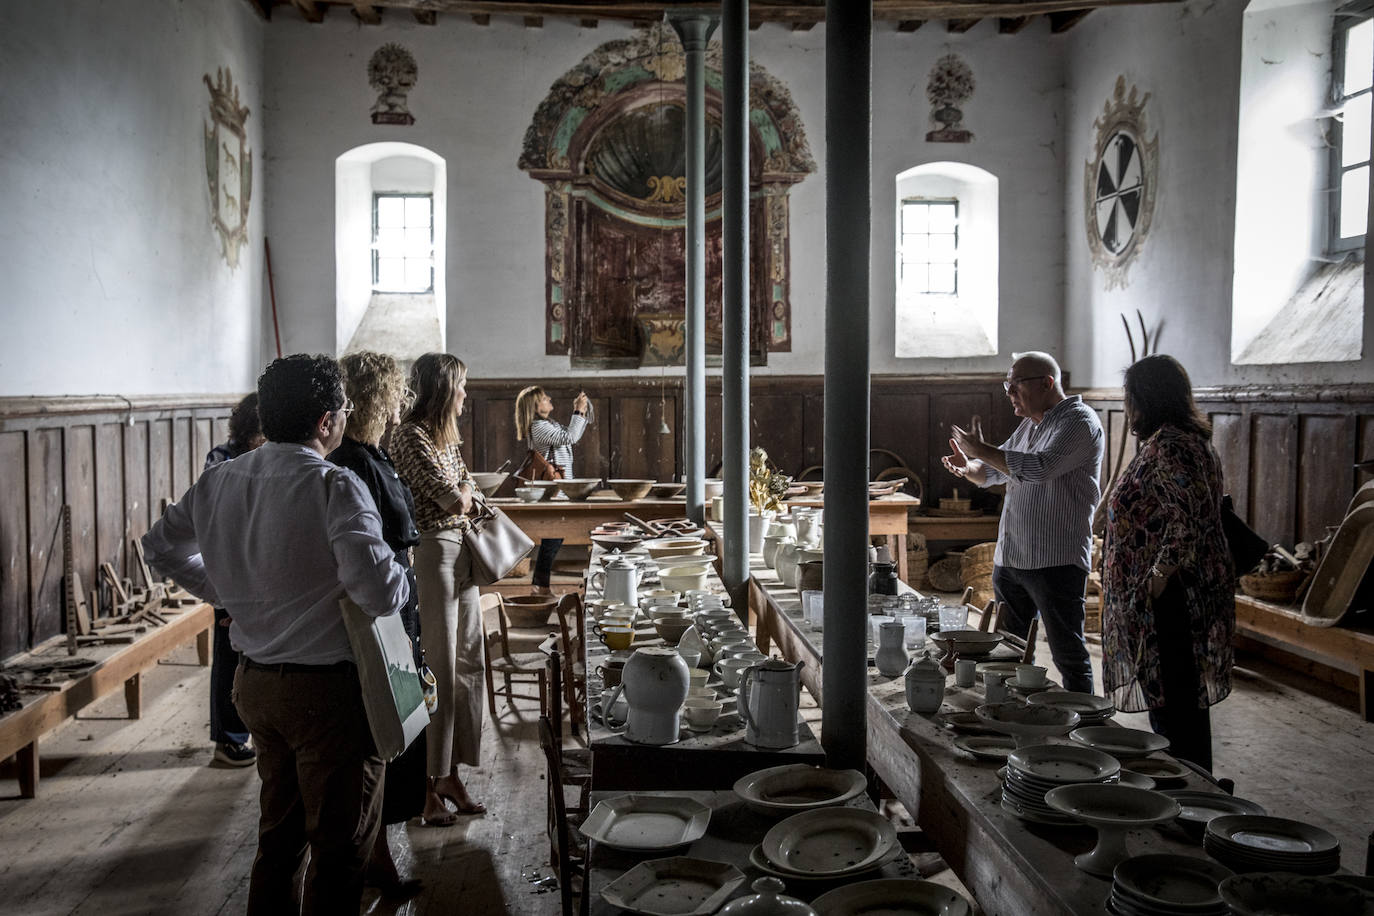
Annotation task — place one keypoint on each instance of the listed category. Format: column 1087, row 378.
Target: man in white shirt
column 277, row 537
column 1050, row 465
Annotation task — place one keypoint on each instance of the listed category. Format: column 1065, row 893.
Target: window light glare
column 1354, row 202
column 1359, row 58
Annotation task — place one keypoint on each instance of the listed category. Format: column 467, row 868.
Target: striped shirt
column 434, row 476
column 554, row 441
column 1052, row 489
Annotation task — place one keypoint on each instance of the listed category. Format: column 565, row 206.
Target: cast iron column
column 848, row 190
column 735, row 298
column 694, row 29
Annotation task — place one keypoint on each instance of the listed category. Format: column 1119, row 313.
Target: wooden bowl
column 621, row 542
column 579, row 488
column 529, row 611
column 667, row 489
column 628, row 489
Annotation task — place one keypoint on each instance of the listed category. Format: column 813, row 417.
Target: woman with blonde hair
column 374, row 384
column 540, row 432
column 425, row 446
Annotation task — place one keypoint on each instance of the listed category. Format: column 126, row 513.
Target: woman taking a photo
column 375, row 386
column 425, row 447
column 1167, row 583
column 540, row 432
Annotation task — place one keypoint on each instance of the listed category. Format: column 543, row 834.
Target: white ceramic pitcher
column 619, row 581
column 654, row 684
column 769, row 694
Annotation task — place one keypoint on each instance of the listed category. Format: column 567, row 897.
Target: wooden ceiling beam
column 960, row 26
column 310, row 10
column 534, row 22
column 803, row 26
column 589, row 23
column 366, row 13
column 909, row 25
column 426, row 17
column 1062, row 22
column 1010, row 25
column 482, row 18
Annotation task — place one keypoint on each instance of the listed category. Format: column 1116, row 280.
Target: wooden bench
column 122, row 667
column 1339, row 649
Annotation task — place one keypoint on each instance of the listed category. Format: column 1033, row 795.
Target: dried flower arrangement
column 767, row 485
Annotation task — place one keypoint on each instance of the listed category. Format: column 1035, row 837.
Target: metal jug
column 619, row 581
column 769, row 694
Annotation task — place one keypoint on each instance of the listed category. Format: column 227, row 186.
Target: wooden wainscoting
column 1288, row 453
column 114, row 461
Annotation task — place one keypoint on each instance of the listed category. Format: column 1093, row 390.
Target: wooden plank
column 959, row 26
column 160, row 485
column 637, row 449
column 45, row 533
column 14, row 567
column 898, row 423
column 202, row 440
column 909, row 25
column 1342, row 647
column 78, row 480
column 1231, row 439
column 1273, row 447
column 1012, row 25
column 1063, row 21
column 110, row 540
column 366, row 13
column 137, row 511
column 310, row 10
column 776, row 425
column 946, row 411
column 184, row 468
column 1325, row 478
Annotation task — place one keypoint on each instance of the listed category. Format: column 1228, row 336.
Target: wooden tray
column 1342, row 568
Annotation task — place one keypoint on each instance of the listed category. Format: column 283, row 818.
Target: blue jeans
column 1056, row 594
column 543, row 561
column 225, row 724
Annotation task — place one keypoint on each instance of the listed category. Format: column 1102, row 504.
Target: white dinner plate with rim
column 986, row 747
column 891, row 897
column 1161, row 771
column 1261, row 833
column 1202, row 807
column 1174, row 881
column 1062, row 764
column 1085, row 704
column 1238, row 858
column 1015, row 684
column 1122, row 905
column 646, row 823
column 759, row 860
column 675, row 886
column 1027, row 813
column 827, row 841
column 798, row 787
column 1119, row 742
column 1006, row 669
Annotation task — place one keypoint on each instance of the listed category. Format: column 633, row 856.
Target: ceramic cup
column 964, row 671
column 691, row 656
column 701, row 713
column 697, row 677
column 708, row 693
column 730, row 670
column 616, row 713
column 610, row 670
column 1030, row 675
column 617, row 637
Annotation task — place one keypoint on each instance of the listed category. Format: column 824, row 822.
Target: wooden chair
column 514, row 668
column 570, row 852
column 1025, row 645
column 577, row 761
column 571, row 629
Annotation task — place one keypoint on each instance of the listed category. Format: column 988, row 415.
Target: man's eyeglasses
column 1011, row 383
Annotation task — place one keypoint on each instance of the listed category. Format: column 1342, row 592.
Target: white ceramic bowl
column 579, row 488
column 684, row 577
column 488, row 481
column 529, row 494
column 675, row 547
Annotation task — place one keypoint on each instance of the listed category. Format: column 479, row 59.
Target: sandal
column 472, row 807
column 447, row 819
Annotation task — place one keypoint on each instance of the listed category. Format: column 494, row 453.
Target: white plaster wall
column 113, row 276
column 477, row 91
column 1188, row 57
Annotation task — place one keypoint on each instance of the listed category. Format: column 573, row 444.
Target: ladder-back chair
column 570, row 853
column 571, row 631
column 523, row 668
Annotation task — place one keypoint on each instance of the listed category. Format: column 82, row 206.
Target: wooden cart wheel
column 913, row 483
column 815, row 469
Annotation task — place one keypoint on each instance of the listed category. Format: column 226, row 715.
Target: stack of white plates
column 1253, row 842
column 1091, row 709
column 826, row 844
column 1033, row 771
column 1167, row 885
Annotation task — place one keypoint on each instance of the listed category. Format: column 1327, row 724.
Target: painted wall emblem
column 392, row 72
column 1119, row 184
column 950, row 86
column 228, row 165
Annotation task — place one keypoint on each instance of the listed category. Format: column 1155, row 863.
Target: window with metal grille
column 403, row 243
column 929, row 248
column 1352, row 73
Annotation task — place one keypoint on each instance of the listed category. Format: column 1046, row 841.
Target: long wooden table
column 733, row 832
column 1011, row 867
column 887, row 516
column 117, row 666
column 571, row 519
column 706, row 760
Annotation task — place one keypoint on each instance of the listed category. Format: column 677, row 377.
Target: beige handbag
column 495, row 543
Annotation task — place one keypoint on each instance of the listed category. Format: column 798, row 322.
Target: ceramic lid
column 925, row 668
column 620, row 562
column 768, row 900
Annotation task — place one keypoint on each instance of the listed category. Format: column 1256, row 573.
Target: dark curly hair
column 244, row 425
column 294, row 392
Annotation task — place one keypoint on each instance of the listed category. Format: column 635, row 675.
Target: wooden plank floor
column 130, row 819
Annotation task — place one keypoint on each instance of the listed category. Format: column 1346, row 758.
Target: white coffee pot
column 769, row 696
column 618, row 581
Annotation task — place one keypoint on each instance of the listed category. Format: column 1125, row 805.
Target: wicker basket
column 1279, row 587
column 977, row 564
column 944, row 574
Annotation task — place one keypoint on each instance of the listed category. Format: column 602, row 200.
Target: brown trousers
column 321, row 787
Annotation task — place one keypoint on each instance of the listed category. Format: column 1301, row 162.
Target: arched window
column 946, row 304
column 390, row 201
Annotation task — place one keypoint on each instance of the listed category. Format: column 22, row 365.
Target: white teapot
column 619, row 581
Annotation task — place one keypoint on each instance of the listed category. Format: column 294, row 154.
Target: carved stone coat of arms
column 228, row 165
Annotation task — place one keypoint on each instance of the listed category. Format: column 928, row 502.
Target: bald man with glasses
column 1050, row 465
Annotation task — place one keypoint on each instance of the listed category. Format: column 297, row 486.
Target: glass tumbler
column 915, row 636
column 953, row 617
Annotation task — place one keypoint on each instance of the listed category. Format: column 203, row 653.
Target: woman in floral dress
column 1168, row 585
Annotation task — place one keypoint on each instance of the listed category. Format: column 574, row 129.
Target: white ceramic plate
column 1026, row 813
column 1161, row 771
column 1162, row 879
column 828, row 841
column 1124, row 806
column 798, row 787
column 760, row 861
column 1119, row 742
column 1261, row 834
column 646, row 823
column 1017, row 718
column 1201, row 807
column 891, row 897
column 986, row 747
column 1085, row 704
column 1006, row 669
column 1015, row 684
column 676, row 886
column 1064, row 763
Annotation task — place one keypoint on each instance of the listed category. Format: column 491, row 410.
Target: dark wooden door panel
column 109, row 494
column 900, row 423
column 78, row 466
column 183, row 471
column 45, row 532
column 638, row 449
column 1273, row 452
column 137, row 512
column 14, row 564
column 159, row 465
column 1325, row 477
column 1231, row 439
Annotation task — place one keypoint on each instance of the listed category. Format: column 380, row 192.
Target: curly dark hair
column 244, row 425
column 1158, row 391
column 294, row 392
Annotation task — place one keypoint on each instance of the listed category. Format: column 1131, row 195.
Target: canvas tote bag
column 495, row 543
column 392, row 694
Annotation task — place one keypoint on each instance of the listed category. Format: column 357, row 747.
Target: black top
column 394, row 502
